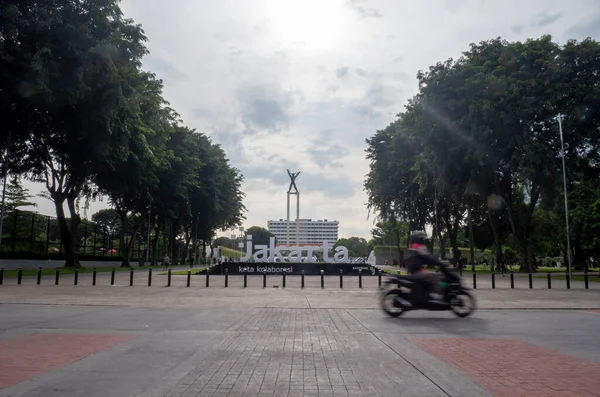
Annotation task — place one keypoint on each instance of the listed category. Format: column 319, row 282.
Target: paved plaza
column 119, row 340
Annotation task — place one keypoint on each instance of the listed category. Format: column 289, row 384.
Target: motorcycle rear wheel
column 387, row 303
column 463, row 304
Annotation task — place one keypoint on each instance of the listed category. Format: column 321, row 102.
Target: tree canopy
column 81, row 116
column 479, row 147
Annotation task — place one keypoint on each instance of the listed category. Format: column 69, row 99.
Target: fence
column 128, row 278
column 27, row 234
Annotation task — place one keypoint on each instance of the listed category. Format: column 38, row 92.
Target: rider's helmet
column 418, row 239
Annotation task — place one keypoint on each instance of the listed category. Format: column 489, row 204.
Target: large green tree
column 481, row 138
column 77, row 61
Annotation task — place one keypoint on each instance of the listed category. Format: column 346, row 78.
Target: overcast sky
column 301, row 84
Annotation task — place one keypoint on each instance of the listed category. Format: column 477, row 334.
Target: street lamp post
column 562, row 155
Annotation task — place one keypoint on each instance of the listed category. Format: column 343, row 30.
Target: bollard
column 76, row 277
column 302, row 279
column 189, row 277
column 265, row 280
column 512, row 280
column 207, row 279
column 549, row 281
column 322, row 279
column 493, row 280
column 169, row 278
column 1, row 275
column 283, row 281
column 245, row 280
column 149, row 277
column 530, row 280
column 226, row 277
column 379, row 278
column 359, row 278
column 131, row 277
column 57, row 276
column 39, row 275
column 585, row 279
column 20, row 276
column 112, row 276
column 568, row 281
column 94, row 276
column 341, row 278
column 474, row 280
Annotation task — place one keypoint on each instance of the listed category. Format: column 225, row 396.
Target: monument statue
column 293, row 176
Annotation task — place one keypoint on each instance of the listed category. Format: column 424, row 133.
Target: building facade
column 310, row 232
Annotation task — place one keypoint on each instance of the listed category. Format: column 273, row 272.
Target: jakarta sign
column 295, row 255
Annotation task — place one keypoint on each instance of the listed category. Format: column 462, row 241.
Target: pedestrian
column 166, row 261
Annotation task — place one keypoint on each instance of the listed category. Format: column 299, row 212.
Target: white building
column 310, row 232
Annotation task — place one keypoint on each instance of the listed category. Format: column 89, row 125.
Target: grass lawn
column 183, row 272
column 68, row 270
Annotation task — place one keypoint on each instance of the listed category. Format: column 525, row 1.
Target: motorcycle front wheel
column 388, row 304
column 463, row 304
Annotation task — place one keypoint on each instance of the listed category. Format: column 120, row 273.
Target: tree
column 260, row 235
column 480, row 140
column 16, row 196
column 390, row 232
column 108, row 220
column 78, row 60
column 357, row 246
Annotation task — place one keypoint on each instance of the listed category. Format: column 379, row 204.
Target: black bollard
column 474, row 280
column 131, row 277
column 341, row 278
column 379, row 278
column 112, row 276
column 568, row 281
column 283, row 281
column 94, row 276
column 265, row 279
column 322, row 279
column 530, row 280
column 76, row 277
column 549, row 281
column 226, row 277
column 169, row 278
column 359, row 278
column 1, row 275
column 302, row 279
column 20, row 276
column 39, row 275
column 493, row 280
column 245, row 280
column 512, row 280
column 585, row 279
column 207, row 279
column 57, row 276
column 189, row 277
column 149, row 277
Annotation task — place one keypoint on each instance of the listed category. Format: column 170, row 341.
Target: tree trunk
column 157, row 230
column 471, row 244
column 68, row 236
column 65, row 235
column 188, row 237
column 122, row 238
column 494, row 224
column 174, row 247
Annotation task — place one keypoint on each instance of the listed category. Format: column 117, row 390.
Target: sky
column 300, row 85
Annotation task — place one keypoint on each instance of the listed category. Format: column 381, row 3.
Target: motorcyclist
column 418, row 256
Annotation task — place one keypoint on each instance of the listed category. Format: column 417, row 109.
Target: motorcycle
column 455, row 297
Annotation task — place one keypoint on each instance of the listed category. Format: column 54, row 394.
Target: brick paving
column 283, row 352
column 24, row 357
column 512, row 368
